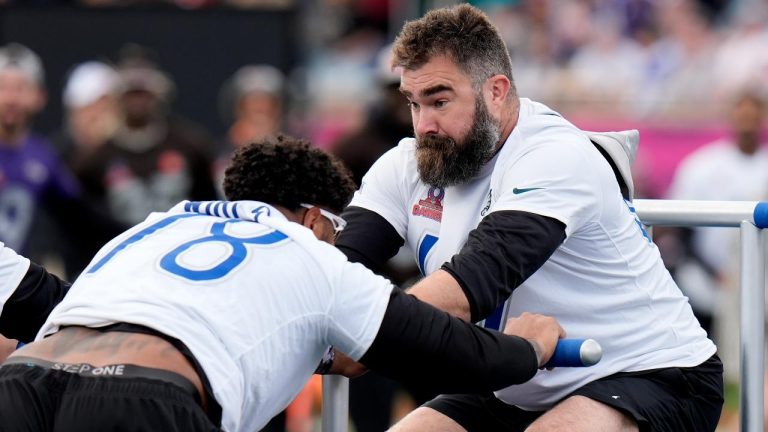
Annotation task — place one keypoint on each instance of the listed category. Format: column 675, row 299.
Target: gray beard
column 442, row 161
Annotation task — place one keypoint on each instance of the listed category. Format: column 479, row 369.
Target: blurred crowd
column 672, row 61
column 122, row 150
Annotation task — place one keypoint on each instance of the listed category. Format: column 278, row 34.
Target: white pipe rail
column 751, row 217
column 335, row 403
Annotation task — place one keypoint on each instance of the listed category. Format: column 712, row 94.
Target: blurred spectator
column 734, row 168
column 154, row 159
column 90, row 119
column 742, row 57
column 32, row 180
column 29, row 169
column 251, row 101
column 90, row 110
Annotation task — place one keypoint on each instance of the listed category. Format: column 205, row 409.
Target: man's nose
column 424, row 123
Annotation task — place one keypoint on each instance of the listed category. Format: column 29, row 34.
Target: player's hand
column 540, row 330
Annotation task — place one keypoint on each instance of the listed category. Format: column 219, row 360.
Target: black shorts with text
column 35, row 398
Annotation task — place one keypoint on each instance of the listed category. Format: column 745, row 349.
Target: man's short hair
column 287, row 171
column 464, row 34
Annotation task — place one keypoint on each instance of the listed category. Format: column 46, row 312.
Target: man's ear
column 497, row 89
column 311, row 217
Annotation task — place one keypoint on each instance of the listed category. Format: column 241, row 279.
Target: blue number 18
column 169, row 261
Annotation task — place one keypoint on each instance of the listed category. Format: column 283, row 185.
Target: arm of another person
column 368, row 238
column 419, row 343
column 504, row 250
column 32, row 297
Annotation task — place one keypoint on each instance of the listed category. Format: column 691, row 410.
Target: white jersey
column 13, row 267
column 256, row 299
column 720, row 171
column 606, row 281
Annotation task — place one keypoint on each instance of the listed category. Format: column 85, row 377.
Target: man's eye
column 440, row 103
column 413, row 105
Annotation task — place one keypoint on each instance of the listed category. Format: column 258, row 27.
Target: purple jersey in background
column 30, row 176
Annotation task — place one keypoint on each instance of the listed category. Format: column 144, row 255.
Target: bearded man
column 510, row 208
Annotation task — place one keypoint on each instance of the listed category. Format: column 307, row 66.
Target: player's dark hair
column 464, row 34
column 287, row 171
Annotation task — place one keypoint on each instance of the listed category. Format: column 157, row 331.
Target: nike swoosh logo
column 518, row 191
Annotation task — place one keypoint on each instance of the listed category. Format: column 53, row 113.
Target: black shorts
column 663, row 400
column 39, row 398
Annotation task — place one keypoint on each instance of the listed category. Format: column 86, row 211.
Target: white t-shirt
column 606, row 281
column 721, row 172
column 13, row 267
column 256, row 298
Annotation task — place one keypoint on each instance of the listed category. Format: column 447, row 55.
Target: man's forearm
column 442, row 291
column 344, row 365
column 419, row 344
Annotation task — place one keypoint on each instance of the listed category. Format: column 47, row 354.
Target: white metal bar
column 335, row 403
column 752, row 330
column 751, row 216
column 701, row 213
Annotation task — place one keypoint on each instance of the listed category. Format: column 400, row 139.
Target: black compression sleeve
column 421, row 345
column 368, row 238
column 500, row 254
column 31, row 303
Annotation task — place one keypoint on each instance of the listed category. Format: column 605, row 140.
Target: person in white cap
column 155, row 158
column 91, row 114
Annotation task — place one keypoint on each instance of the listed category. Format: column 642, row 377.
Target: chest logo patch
column 432, row 206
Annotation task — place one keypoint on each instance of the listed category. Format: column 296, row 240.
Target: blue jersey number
column 169, row 262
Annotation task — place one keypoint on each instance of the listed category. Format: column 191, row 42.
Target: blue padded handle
column 575, row 353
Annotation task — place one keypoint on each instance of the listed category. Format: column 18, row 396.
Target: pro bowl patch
column 432, row 206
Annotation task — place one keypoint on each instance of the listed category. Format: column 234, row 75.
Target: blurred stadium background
column 665, row 67
column 670, row 68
